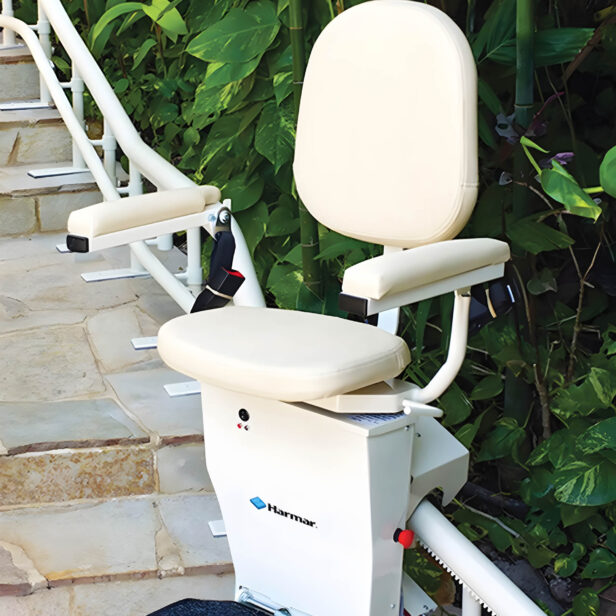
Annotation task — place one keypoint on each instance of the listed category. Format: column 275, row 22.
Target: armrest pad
column 397, row 272
column 140, row 210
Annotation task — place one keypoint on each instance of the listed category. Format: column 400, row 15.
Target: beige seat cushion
column 409, row 269
column 280, row 354
column 112, row 216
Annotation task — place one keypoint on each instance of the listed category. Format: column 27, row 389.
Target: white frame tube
column 77, row 89
column 470, row 605
column 43, row 29
column 455, row 355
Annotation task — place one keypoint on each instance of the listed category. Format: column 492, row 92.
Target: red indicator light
column 239, row 426
column 404, row 538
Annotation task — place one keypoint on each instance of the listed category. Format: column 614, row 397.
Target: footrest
column 196, row 607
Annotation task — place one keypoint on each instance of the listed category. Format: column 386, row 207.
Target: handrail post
column 109, row 154
column 135, row 187
column 77, row 88
column 194, row 270
column 8, row 36
column 44, row 33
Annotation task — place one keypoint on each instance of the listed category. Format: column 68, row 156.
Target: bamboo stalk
column 309, row 230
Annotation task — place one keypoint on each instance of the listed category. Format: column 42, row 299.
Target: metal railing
column 118, row 130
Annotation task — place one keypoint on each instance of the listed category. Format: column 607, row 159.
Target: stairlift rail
column 482, row 580
column 117, row 125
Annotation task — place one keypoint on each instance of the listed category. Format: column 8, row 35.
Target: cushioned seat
column 280, row 354
column 137, row 211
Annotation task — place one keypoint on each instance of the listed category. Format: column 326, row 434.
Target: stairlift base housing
column 312, row 499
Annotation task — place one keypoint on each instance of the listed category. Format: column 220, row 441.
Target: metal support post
column 43, row 29
column 109, row 152
column 77, row 88
column 8, row 36
column 193, row 267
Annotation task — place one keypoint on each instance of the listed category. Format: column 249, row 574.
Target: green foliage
column 209, row 86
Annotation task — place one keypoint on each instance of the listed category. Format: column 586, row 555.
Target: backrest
column 387, row 134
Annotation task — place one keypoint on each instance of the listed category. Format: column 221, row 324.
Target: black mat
column 196, row 607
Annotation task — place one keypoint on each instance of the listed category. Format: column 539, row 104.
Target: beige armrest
column 409, row 269
column 113, row 216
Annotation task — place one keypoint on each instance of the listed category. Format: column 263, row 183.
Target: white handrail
column 63, row 105
column 118, row 126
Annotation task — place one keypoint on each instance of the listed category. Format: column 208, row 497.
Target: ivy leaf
column 221, row 73
column 275, row 136
column 467, row 433
column 586, row 603
column 240, row 36
column 563, row 187
column 100, row 32
column 283, row 85
column 488, row 387
column 607, row 172
column 142, row 52
column 590, row 481
column 601, row 564
column 571, row 515
column 504, row 440
column 565, row 566
column 542, row 283
column 243, row 191
column 284, row 218
column 604, row 384
column 252, row 222
column 456, row 406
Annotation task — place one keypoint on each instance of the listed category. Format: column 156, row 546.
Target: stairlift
column 320, row 456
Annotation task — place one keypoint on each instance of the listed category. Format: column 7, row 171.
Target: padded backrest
column 387, row 133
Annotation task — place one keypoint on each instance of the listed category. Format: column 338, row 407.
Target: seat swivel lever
column 223, row 281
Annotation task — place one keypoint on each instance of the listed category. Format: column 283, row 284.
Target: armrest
column 113, row 223
column 398, row 272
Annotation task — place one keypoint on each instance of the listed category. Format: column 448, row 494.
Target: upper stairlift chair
column 311, row 441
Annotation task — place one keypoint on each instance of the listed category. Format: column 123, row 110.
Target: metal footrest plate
column 115, row 274
column 195, row 607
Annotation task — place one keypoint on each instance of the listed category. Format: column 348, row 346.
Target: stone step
column 33, row 136
column 19, row 75
column 123, row 556
column 30, row 204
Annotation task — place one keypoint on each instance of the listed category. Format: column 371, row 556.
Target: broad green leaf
column 422, row 315
column 590, row 481
column 610, row 539
column 210, row 102
column 220, row 73
column 240, row 36
column 551, row 46
column 467, row 433
column 603, row 383
column 275, row 136
column 497, row 30
column 243, row 191
column 456, row 406
column 486, row 133
column 489, row 387
column 286, row 288
column 504, row 440
column 284, row 218
column 489, row 97
column 558, row 45
column 563, row 187
column 570, row 515
column 283, row 86
column 252, row 222
column 537, row 237
column 601, row 564
column 167, row 17
column 565, row 566
column 542, row 283
column 607, row 172
column 142, row 52
column 538, row 485
column 600, row 436
column 586, row 603
column 106, row 19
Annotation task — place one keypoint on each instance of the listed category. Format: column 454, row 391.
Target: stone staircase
column 31, row 139
column 104, row 493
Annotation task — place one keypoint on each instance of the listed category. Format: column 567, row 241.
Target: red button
column 404, row 538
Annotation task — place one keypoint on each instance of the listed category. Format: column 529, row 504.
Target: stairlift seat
column 280, row 354
column 140, row 210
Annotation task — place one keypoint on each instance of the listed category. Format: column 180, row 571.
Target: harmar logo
column 260, row 504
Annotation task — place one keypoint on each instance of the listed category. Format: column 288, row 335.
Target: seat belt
column 223, row 281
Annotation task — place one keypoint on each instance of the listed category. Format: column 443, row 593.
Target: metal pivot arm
column 455, row 356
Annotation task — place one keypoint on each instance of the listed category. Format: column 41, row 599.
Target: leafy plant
column 210, row 86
